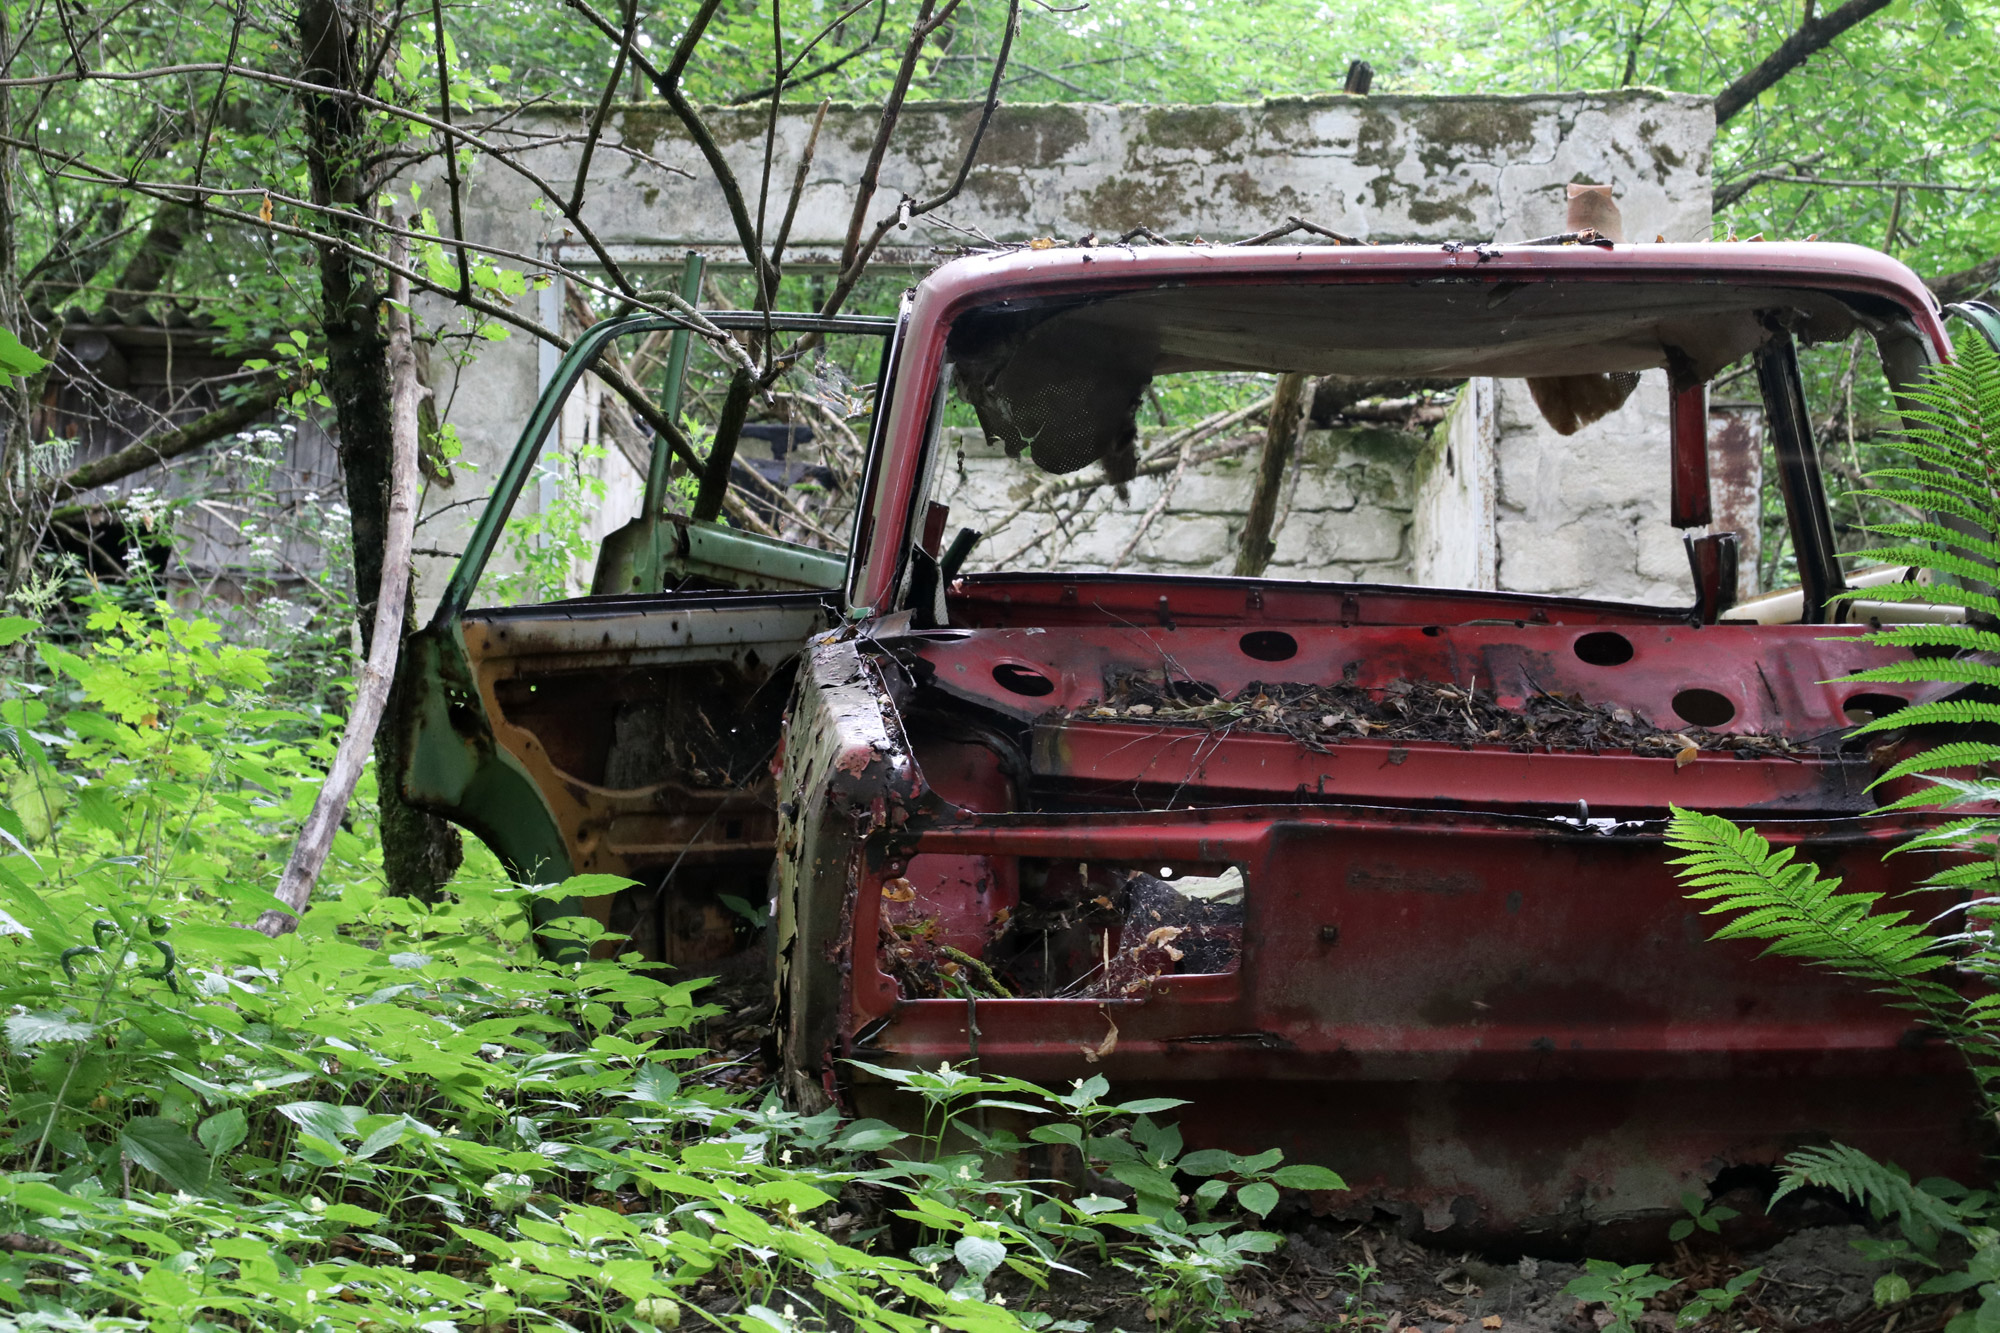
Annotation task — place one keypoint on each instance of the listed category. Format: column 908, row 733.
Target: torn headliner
column 1434, row 327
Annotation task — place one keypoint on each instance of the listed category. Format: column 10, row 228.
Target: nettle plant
column 406, row 1116
column 1184, row 1264
column 1951, row 472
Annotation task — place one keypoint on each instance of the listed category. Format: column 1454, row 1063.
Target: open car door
column 631, row 731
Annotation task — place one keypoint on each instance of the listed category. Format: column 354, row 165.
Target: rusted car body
column 1459, row 971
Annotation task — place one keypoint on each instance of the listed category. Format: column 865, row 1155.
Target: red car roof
column 980, row 279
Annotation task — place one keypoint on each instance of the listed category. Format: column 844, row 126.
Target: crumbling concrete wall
column 1409, row 169
column 1345, row 512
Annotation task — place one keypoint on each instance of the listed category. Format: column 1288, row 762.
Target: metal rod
column 1798, row 475
column 651, row 557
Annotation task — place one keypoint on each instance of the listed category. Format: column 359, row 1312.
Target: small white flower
column 999, row 1299
column 785, row 1157
column 515, row 1262
column 257, row 1085
column 409, row 1261
column 315, row 1204
column 183, row 1197
column 790, row 1313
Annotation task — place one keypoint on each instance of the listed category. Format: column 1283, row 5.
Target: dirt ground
column 1369, row 1278
column 1331, row 1277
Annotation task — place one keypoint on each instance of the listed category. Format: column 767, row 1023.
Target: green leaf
column 223, row 1130
column 164, row 1148
column 16, row 357
column 979, row 1256
column 1307, row 1177
column 796, row 1193
column 14, row 628
column 591, row 886
column 871, row 1136
column 1258, row 1197
column 1151, row 1105
column 656, row 1084
column 29, row 1030
column 323, row 1120
column 1208, row 1162
column 1891, row 1288
column 99, row 809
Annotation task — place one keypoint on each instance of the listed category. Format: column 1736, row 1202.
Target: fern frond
column 1988, row 550
column 1933, row 594
column 1950, row 835
column 1932, row 797
column 1972, row 511
column 1935, row 558
column 1882, row 1186
column 1945, row 791
column 1927, row 670
column 1932, row 480
column 1800, row 915
column 1965, row 877
column 1942, row 712
column 1969, row 637
column 1956, row 754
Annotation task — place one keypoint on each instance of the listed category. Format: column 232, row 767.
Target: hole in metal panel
column 1867, row 707
column 1604, row 648
column 1269, row 645
column 1703, row 708
column 1023, row 680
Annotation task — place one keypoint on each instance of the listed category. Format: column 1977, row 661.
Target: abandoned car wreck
column 1368, row 870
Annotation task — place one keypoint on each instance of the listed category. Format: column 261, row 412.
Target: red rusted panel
column 1736, row 482
column 1690, row 505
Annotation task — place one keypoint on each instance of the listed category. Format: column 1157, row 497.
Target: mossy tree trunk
column 419, row 851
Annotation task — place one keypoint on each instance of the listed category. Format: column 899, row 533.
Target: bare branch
column 985, row 116
column 798, row 188
column 597, row 117
column 223, row 421
column 371, row 690
column 1967, row 283
column 892, row 107
column 1734, row 190
column 221, row 87
column 881, row 12
column 668, row 84
column 451, row 150
column 1810, row 38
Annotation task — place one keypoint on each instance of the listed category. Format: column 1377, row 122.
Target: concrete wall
column 1384, row 168
column 1345, row 512
column 1586, row 515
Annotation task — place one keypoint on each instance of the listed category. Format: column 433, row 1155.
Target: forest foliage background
column 401, row 1116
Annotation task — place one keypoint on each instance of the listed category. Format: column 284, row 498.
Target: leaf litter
column 1319, row 717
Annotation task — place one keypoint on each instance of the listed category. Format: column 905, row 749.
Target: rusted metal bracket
column 650, row 564
column 1798, row 474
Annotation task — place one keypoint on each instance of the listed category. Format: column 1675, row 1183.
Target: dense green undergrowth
column 403, row 1117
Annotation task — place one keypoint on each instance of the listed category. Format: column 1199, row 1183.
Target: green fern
column 1951, row 473
column 1800, row 914
column 1885, row 1189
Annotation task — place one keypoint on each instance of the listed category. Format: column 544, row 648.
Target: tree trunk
column 419, row 851
column 1281, row 435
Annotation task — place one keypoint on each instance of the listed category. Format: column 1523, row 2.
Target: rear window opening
column 1521, row 436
